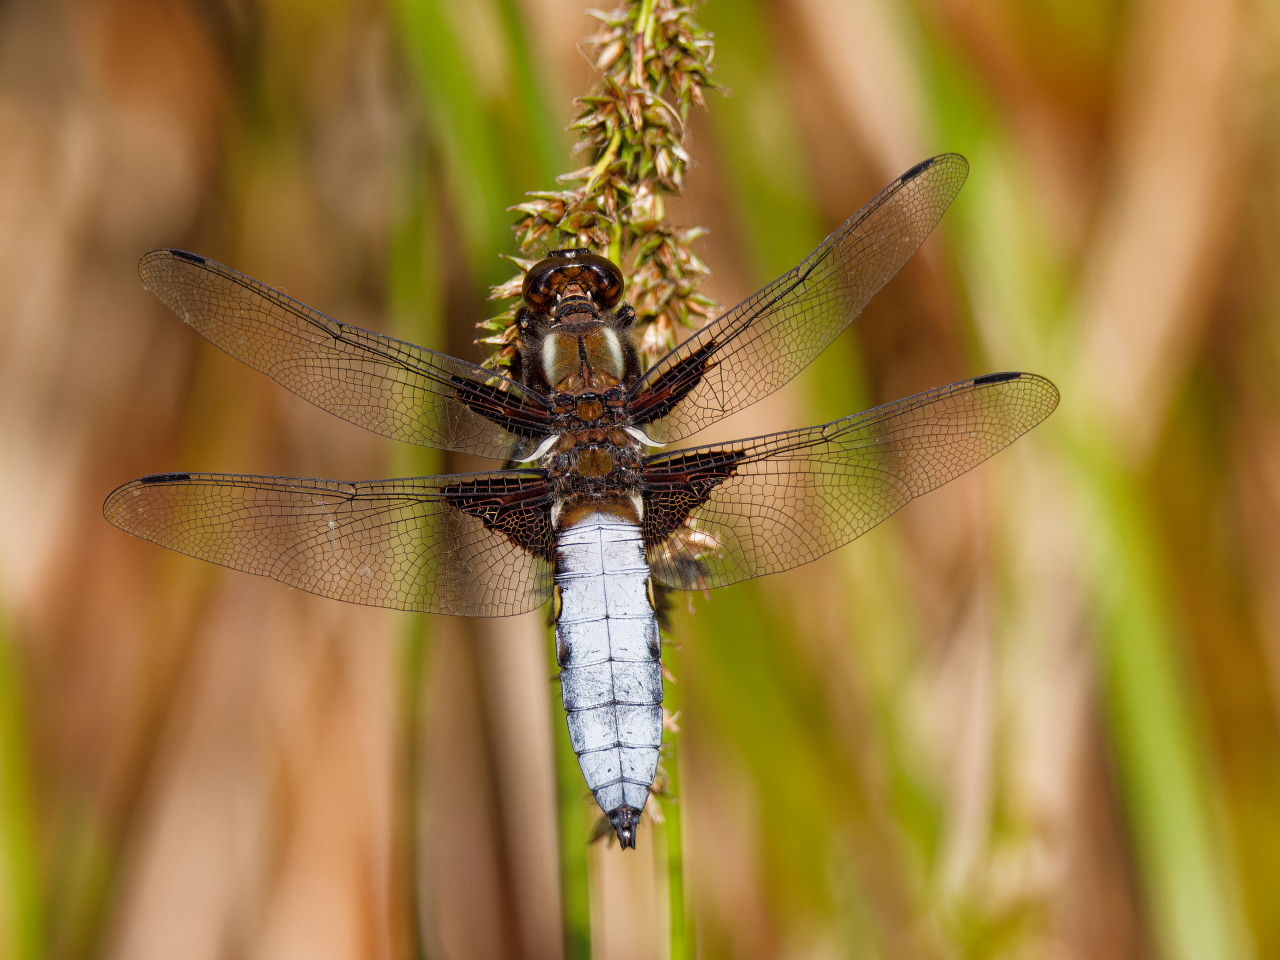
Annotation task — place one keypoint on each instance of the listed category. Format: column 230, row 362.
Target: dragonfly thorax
column 581, row 358
column 594, row 460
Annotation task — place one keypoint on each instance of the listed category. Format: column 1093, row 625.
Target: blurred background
column 1036, row 714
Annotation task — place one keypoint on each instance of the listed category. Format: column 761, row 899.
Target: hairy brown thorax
column 577, row 346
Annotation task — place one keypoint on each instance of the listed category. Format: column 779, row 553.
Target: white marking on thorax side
column 552, row 346
column 643, row 437
column 543, row 447
column 615, row 350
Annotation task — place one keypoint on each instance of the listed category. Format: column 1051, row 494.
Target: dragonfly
column 588, row 509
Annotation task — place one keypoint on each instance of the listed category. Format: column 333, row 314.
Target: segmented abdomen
column 609, row 652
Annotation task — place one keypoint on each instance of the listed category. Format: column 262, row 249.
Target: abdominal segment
column 609, row 652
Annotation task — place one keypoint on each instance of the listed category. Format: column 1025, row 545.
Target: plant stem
column 681, row 919
column 608, row 157
column 21, row 916
column 575, row 888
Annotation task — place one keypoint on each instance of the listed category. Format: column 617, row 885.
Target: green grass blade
column 575, row 826
column 414, row 293
column 1166, row 786
column 1161, row 766
column 679, row 915
column 460, row 121
column 21, row 912
column 546, row 145
column 758, row 142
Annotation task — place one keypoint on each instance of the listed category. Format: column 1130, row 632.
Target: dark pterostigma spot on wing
column 754, row 348
column 995, row 378
column 432, row 544
column 380, row 383
column 918, row 169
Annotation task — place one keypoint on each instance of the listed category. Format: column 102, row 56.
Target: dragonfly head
column 572, row 282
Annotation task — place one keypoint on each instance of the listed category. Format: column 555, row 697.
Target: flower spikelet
column 655, row 64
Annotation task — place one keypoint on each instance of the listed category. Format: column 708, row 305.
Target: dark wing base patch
column 659, row 397
column 511, row 508
column 679, row 485
column 500, row 407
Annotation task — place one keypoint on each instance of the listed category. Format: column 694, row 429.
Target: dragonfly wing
column 385, row 385
column 717, row 515
column 476, row 545
column 762, row 343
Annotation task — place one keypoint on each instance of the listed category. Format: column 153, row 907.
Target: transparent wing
column 385, row 385
column 477, row 545
column 717, row 515
column 759, row 345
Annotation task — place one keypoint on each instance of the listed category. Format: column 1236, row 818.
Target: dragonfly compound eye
column 572, row 271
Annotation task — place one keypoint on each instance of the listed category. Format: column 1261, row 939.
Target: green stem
column 603, row 163
column 413, row 664
column 679, row 916
column 575, row 888
column 681, row 919
column 21, row 920
column 1163, row 772
column 543, row 132
column 413, row 295
column 644, row 25
column 468, row 142
column 615, row 243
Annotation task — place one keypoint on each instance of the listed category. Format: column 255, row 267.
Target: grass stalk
column 573, row 816
column 680, row 917
column 461, row 128
column 655, row 61
column 1150, row 708
column 414, row 297
column 1159, row 749
column 21, row 913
